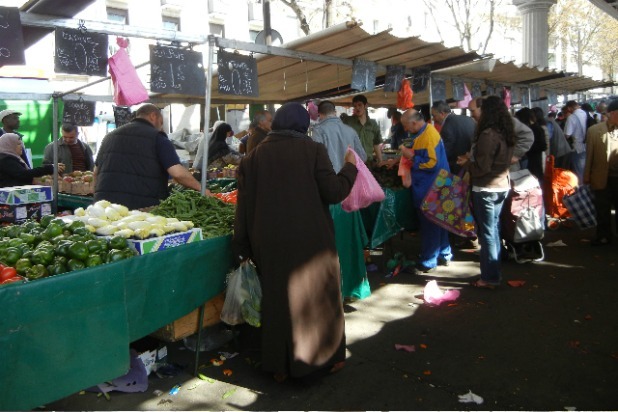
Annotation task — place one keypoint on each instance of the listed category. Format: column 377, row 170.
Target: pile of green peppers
column 52, row 247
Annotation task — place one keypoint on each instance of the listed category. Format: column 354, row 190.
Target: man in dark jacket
column 456, row 132
column 75, row 154
column 135, row 161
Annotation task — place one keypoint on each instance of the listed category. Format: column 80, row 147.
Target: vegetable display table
column 385, row 219
column 61, row 334
column 72, row 202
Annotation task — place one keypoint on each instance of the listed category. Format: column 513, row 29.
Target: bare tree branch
column 431, row 6
column 300, row 14
column 492, row 6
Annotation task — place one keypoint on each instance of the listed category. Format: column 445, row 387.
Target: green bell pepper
column 22, row 266
column 78, row 250
column 94, row 260
column 36, row 272
column 75, row 264
column 12, row 255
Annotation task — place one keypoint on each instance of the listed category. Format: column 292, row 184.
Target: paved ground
column 551, row 344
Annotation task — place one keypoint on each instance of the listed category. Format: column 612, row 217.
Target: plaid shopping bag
column 580, row 206
column 447, row 204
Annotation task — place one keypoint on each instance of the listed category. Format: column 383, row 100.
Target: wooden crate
column 187, row 325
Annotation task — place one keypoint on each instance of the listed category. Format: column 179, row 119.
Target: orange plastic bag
column 405, row 95
column 404, row 171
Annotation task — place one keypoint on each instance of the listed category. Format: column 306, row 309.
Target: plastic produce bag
column 243, row 297
column 365, row 191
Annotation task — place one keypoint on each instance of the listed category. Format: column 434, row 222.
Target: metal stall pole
column 55, row 152
column 209, row 59
column 430, row 97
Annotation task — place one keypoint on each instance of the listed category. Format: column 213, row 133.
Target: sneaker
column 420, row 269
column 443, row 262
column 467, row 243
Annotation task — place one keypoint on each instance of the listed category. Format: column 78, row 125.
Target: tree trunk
column 304, row 25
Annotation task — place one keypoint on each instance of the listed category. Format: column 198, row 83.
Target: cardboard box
column 165, row 242
column 19, row 213
column 22, row 195
column 187, row 325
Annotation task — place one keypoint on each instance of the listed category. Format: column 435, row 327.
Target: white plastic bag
column 243, row 297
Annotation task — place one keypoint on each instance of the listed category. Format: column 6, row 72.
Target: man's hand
column 61, row 168
column 462, row 159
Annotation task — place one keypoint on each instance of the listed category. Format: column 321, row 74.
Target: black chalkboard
column 80, row 52
column 420, row 79
column 363, row 75
column 78, row 112
column 490, row 90
column 459, row 91
column 535, row 93
column 438, row 89
column 122, row 115
column 394, row 76
column 515, row 95
column 552, row 97
column 238, row 74
column 178, row 71
column 476, row 90
column 11, row 37
column 525, row 97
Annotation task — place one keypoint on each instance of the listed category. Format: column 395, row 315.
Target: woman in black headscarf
column 535, row 153
column 219, row 153
column 13, row 170
column 287, row 231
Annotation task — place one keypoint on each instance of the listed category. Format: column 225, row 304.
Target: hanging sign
column 552, row 98
column 459, row 91
column 11, row 37
column 122, row 115
column 490, row 90
column 420, row 79
column 80, row 52
column 515, row 95
column 525, row 97
column 476, row 90
column 238, row 74
column 438, row 89
column 394, row 76
column 363, row 75
column 78, row 112
column 535, row 93
column 178, row 71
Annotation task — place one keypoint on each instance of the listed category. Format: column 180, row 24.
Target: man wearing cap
column 10, row 124
column 601, row 172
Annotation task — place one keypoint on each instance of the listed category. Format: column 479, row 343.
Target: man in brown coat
column 288, row 232
column 264, row 121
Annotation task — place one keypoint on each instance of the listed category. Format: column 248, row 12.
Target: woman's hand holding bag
column 366, row 189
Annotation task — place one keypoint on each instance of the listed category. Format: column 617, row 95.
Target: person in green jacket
column 368, row 129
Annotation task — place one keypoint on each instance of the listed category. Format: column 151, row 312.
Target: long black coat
column 457, row 133
column 15, row 173
column 284, row 225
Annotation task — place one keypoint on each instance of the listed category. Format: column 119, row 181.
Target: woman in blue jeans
column 488, row 165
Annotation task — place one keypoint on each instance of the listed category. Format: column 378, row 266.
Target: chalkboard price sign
column 238, row 74
column 476, row 90
column 80, row 52
column 122, row 115
column 178, row 71
column 78, row 112
column 459, row 92
column 363, row 75
column 394, row 76
column 525, row 97
column 438, row 89
column 11, row 37
column 420, row 80
column 515, row 95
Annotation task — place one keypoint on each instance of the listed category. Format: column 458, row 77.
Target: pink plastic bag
column 365, row 191
column 433, row 294
column 128, row 89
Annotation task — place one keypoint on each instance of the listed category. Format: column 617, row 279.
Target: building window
column 217, row 29
column 171, row 23
column 118, row 15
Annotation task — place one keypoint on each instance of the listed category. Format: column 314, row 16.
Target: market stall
column 64, row 333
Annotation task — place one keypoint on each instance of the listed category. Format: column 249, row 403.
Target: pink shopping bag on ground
column 365, row 191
